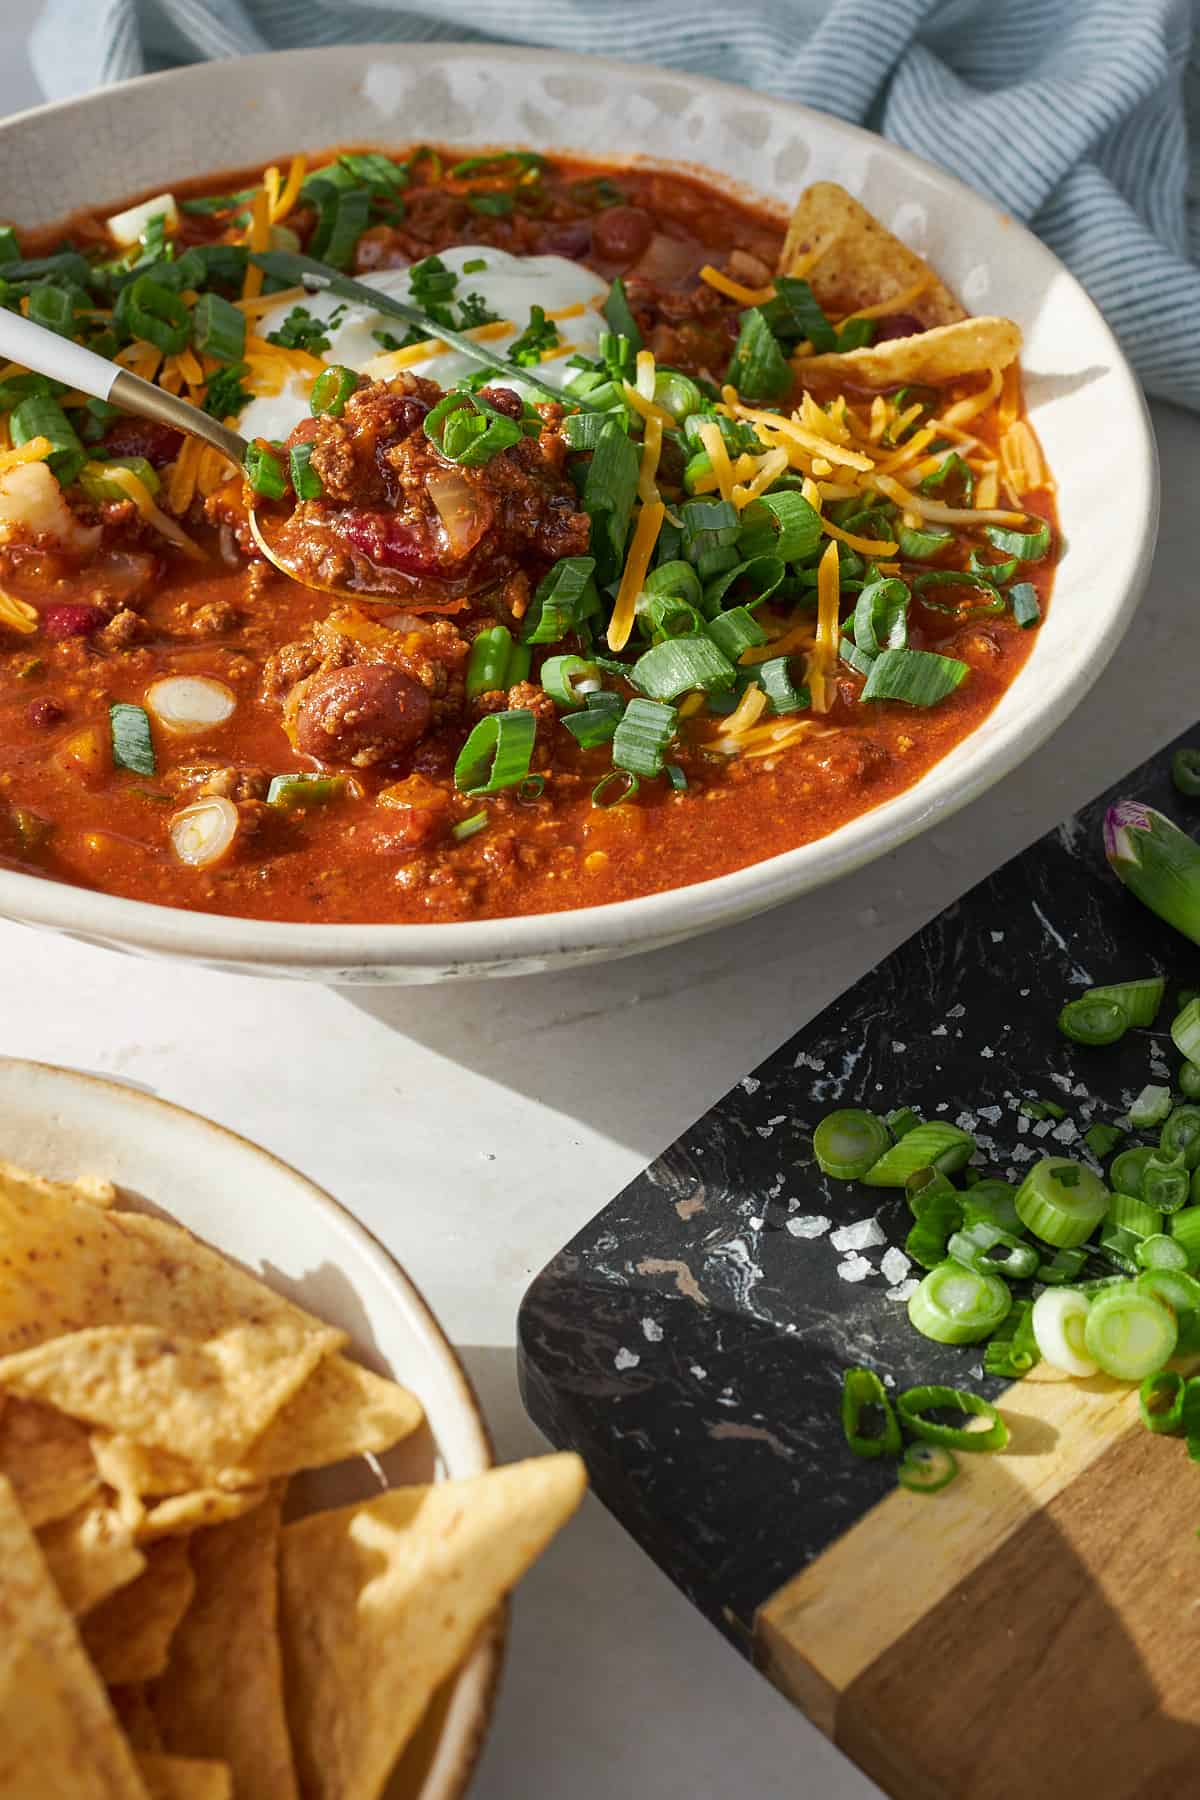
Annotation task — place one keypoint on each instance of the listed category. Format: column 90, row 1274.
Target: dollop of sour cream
column 507, row 285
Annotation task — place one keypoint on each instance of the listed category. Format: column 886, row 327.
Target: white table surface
column 463, row 1142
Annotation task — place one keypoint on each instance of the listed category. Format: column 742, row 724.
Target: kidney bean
column 72, row 620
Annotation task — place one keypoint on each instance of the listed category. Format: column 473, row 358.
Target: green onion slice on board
column 848, row 1143
column 915, row 1404
column 927, row 1468
column 957, row 1305
column 865, row 1403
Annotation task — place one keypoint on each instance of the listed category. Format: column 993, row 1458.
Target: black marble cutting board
column 690, row 1341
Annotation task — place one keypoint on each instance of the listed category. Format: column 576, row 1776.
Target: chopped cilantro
column 225, row 394
column 540, row 334
column 300, row 331
column 431, row 284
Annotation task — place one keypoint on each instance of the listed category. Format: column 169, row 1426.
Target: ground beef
column 122, row 630
column 398, row 517
column 235, row 784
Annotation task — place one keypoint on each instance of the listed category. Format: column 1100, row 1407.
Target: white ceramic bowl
column 303, row 1243
column 1085, row 403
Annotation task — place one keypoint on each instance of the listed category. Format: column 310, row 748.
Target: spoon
column 49, row 353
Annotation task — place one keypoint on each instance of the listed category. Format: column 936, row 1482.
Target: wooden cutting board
column 1034, row 1630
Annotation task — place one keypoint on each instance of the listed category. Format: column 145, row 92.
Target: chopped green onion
column 933, row 1144
column 1119, row 1247
column 1175, row 1289
column 343, row 214
column 795, row 317
column 306, row 483
column 918, row 677
column 1189, row 1080
column 331, row 390
column 957, row 1305
column 1026, row 547
column 620, row 317
column 1165, row 1183
column 677, row 777
column 775, row 679
column 1130, row 1214
column 1127, row 1171
column 1103, row 1139
column 926, row 1468
column 926, row 1184
column 935, row 578
column 1160, row 865
column 264, row 471
column 1161, row 1252
column 1160, row 1402
column 497, row 752
column 41, row 416
column 849, row 1142
column 645, row 730
column 615, row 788
column 955, row 476
column 218, row 328
column 679, row 665
column 540, row 334
column 1093, row 1022
column 916, row 1403
column 1063, row 1267
column 1138, row 1000
column 53, row 307
column 1185, row 1229
column 1060, row 1316
column 1185, row 772
column 487, row 664
column 1150, row 1107
column 1185, row 1031
column 938, row 1217
column 758, row 368
column 993, row 1202
column 156, row 314
column 1181, row 1135
column 132, row 744
column 224, row 395
column 565, row 596
column 597, row 722
column 783, row 525
column 99, row 486
column 735, row 631
column 864, row 1400
column 881, row 617
column 466, row 828
column 974, row 1245
column 608, row 495
column 1027, row 608
column 709, row 525
column 676, row 393
column 1129, row 1334
column 560, row 673
column 676, row 578
column 1061, row 1202
column 296, row 793
column 761, row 574
column 1042, row 1109
column 920, row 545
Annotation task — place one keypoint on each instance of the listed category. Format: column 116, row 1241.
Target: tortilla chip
column 129, row 1635
column 48, row 1459
column 185, row 1778
column 97, row 1190
column 67, row 1266
column 862, row 263
column 222, row 1694
column 380, row 1603
column 202, row 1507
column 136, row 1719
column 90, row 1555
column 342, row 1410
column 58, row 1732
column 970, row 347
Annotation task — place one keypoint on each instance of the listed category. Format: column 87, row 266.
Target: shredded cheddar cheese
column 284, row 201
column 633, row 577
column 648, row 471
column 804, row 265
column 748, row 711
column 864, row 546
column 896, row 304
column 139, row 493
column 825, row 650
column 258, row 238
column 18, row 615
column 734, row 290
column 35, row 449
column 770, row 468
column 647, row 408
column 264, row 303
column 718, row 455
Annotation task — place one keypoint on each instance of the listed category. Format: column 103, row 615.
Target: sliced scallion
column 487, row 664
column 132, row 744
column 645, row 730
column 1126, row 1171
column 597, row 722
column 1160, row 865
column 957, row 1305
column 915, row 1404
column 1059, row 1327
column 1138, row 1000
column 870, row 1426
column 926, row 1468
column 1160, row 1402
column 678, row 666
column 849, row 1142
column 1093, row 1022
column 917, row 677
column 1061, row 1202
column 933, row 1144
column 1129, row 1334
column 1150, row 1106
column 497, row 753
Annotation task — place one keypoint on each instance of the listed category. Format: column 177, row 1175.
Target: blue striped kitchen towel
column 1073, row 115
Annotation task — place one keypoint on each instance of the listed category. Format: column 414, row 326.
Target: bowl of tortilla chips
column 251, row 1539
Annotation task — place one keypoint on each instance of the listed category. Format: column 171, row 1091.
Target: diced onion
column 125, row 228
column 1059, row 1321
column 459, row 511
column 185, row 704
column 202, row 833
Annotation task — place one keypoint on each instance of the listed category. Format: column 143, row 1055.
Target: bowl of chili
column 698, row 581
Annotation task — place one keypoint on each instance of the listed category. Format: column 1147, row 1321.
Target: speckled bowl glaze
column 301, row 1242
column 1084, row 400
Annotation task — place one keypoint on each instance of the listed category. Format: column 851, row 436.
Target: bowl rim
column 478, row 1676
column 647, row 921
